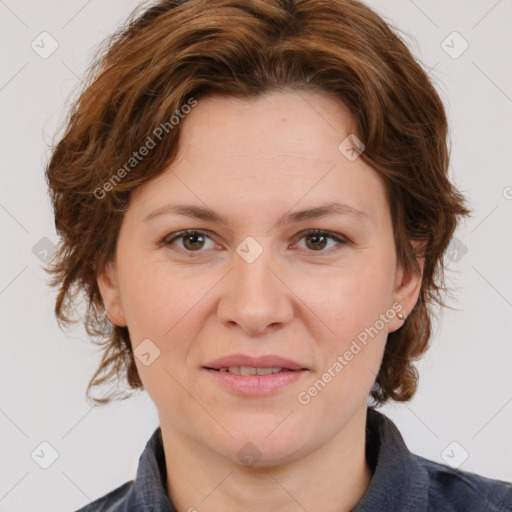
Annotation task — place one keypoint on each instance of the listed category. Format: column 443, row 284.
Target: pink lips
column 255, row 362
column 255, row 385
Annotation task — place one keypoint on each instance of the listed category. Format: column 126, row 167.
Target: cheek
column 351, row 338
column 155, row 299
column 166, row 308
column 350, row 299
column 352, row 327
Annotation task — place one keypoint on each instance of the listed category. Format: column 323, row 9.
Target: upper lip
column 266, row 361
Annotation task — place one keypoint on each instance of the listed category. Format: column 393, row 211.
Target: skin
column 304, row 298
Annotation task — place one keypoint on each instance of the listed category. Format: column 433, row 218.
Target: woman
column 254, row 197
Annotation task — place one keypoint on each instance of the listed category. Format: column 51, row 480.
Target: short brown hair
column 175, row 51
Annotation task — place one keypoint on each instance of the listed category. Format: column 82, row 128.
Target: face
column 321, row 291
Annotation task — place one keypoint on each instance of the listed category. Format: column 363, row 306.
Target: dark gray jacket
column 401, row 481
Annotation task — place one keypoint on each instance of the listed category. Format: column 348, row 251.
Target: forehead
column 287, row 123
column 277, row 149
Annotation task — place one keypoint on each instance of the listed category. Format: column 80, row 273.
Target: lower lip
column 256, row 385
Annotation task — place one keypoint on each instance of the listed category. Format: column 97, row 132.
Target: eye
column 192, row 241
column 316, row 240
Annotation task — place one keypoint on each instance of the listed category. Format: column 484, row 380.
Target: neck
column 332, row 478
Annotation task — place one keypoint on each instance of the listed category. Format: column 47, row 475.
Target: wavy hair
column 172, row 52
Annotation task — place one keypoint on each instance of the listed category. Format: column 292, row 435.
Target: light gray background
column 465, row 391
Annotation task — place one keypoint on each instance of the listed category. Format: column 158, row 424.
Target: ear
column 109, row 290
column 407, row 287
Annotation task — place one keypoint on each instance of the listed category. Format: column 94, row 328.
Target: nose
column 255, row 296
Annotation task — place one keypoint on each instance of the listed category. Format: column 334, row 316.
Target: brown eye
column 192, row 241
column 317, row 240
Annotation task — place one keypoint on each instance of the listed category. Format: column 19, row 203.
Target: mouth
column 258, row 380
column 255, row 375
column 250, row 364
column 252, row 370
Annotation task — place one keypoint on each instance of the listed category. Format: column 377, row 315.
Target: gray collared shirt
column 401, row 481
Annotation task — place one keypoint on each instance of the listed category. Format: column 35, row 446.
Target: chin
column 263, row 447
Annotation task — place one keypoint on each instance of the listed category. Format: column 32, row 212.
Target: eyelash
column 182, row 234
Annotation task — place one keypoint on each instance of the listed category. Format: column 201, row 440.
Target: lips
column 251, row 376
column 247, row 361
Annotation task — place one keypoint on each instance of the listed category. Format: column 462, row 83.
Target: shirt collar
column 149, row 491
column 398, row 483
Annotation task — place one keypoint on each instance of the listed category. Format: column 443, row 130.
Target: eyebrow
column 202, row 213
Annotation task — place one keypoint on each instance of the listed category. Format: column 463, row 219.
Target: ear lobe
column 109, row 290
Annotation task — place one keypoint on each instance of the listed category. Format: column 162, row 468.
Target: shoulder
column 110, row 502
column 463, row 490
